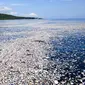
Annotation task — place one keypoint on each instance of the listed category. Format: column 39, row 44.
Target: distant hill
column 8, row 17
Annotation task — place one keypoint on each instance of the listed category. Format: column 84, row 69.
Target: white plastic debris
column 55, row 82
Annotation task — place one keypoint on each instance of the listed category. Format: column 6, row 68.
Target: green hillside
column 7, row 16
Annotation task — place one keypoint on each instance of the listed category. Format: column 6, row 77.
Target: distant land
column 9, row 17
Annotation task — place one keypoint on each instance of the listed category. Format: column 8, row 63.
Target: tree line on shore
column 7, row 16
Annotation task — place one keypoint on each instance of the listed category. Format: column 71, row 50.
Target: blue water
column 69, row 50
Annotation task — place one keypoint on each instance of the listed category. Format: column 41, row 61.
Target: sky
column 44, row 8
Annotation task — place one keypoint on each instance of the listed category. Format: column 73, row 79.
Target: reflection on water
column 11, row 37
column 68, row 53
column 68, row 46
column 12, row 27
column 16, row 27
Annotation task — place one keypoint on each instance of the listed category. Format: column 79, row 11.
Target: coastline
column 12, row 17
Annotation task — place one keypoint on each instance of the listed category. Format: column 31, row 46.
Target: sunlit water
column 13, row 29
column 69, row 49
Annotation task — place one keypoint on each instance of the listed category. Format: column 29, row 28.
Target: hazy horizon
column 44, row 8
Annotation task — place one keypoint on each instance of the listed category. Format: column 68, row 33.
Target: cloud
column 30, row 15
column 13, row 13
column 4, row 8
column 33, row 15
column 17, row 4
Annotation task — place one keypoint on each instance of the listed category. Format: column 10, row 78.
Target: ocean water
column 13, row 29
column 68, row 41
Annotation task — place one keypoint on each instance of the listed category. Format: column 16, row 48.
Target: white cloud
column 13, row 13
column 4, row 8
column 32, row 15
column 17, row 4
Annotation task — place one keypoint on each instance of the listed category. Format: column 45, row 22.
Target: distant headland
column 11, row 17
